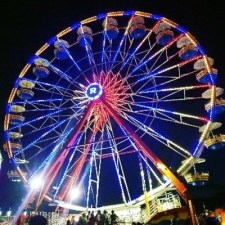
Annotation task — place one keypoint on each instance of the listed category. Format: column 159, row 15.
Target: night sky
column 27, row 25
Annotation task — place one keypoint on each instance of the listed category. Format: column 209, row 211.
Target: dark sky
column 27, row 25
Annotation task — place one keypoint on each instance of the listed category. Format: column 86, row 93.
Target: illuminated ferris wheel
column 112, row 105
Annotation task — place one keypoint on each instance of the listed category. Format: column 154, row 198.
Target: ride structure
column 113, row 105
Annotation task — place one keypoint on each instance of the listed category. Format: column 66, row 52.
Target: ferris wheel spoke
column 58, row 163
column 58, row 144
column 186, row 119
column 164, row 94
column 45, row 117
column 107, row 43
column 103, row 53
column 148, row 67
column 39, row 103
column 68, row 53
column 40, row 137
column 36, row 119
column 94, row 64
column 153, row 133
column 57, row 92
column 177, row 114
column 82, row 31
column 135, row 51
column 69, row 166
column 60, row 73
column 43, row 127
column 106, row 53
column 146, row 151
column 61, row 94
column 106, row 64
column 118, row 165
column 46, row 139
column 73, row 80
column 157, row 64
column 172, row 77
column 167, row 80
column 76, row 170
column 122, row 41
column 135, row 54
column 165, row 97
column 156, row 176
column 163, row 117
column 66, row 77
column 157, row 53
column 40, row 108
column 48, row 87
column 182, row 89
column 95, row 169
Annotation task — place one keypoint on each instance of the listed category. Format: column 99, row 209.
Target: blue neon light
column 31, row 60
column 52, row 40
column 101, row 15
column 201, row 49
column 129, row 13
column 156, row 17
column 53, row 153
column 6, row 136
column 181, row 29
column 7, row 109
column 75, row 25
column 16, row 84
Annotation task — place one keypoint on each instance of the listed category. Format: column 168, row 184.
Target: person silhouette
column 73, row 220
column 113, row 218
column 38, row 220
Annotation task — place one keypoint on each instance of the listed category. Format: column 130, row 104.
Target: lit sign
column 93, row 91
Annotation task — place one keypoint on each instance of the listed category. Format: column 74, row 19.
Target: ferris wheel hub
column 94, row 91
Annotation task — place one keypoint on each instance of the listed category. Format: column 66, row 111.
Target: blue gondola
column 25, row 94
column 188, row 52
column 205, row 77
column 61, row 53
column 137, row 31
column 164, row 37
column 41, row 72
column 111, row 31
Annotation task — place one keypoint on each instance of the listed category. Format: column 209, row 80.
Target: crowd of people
column 100, row 218
column 105, row 218
column 91, row 218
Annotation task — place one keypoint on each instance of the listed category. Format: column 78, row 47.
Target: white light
column 36, row 183
column 165, row 178
column 160, row 166
column 0, row 212
column 9, row 213
column 74, row 193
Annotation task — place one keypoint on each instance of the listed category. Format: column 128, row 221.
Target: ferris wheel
column 112, row 105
